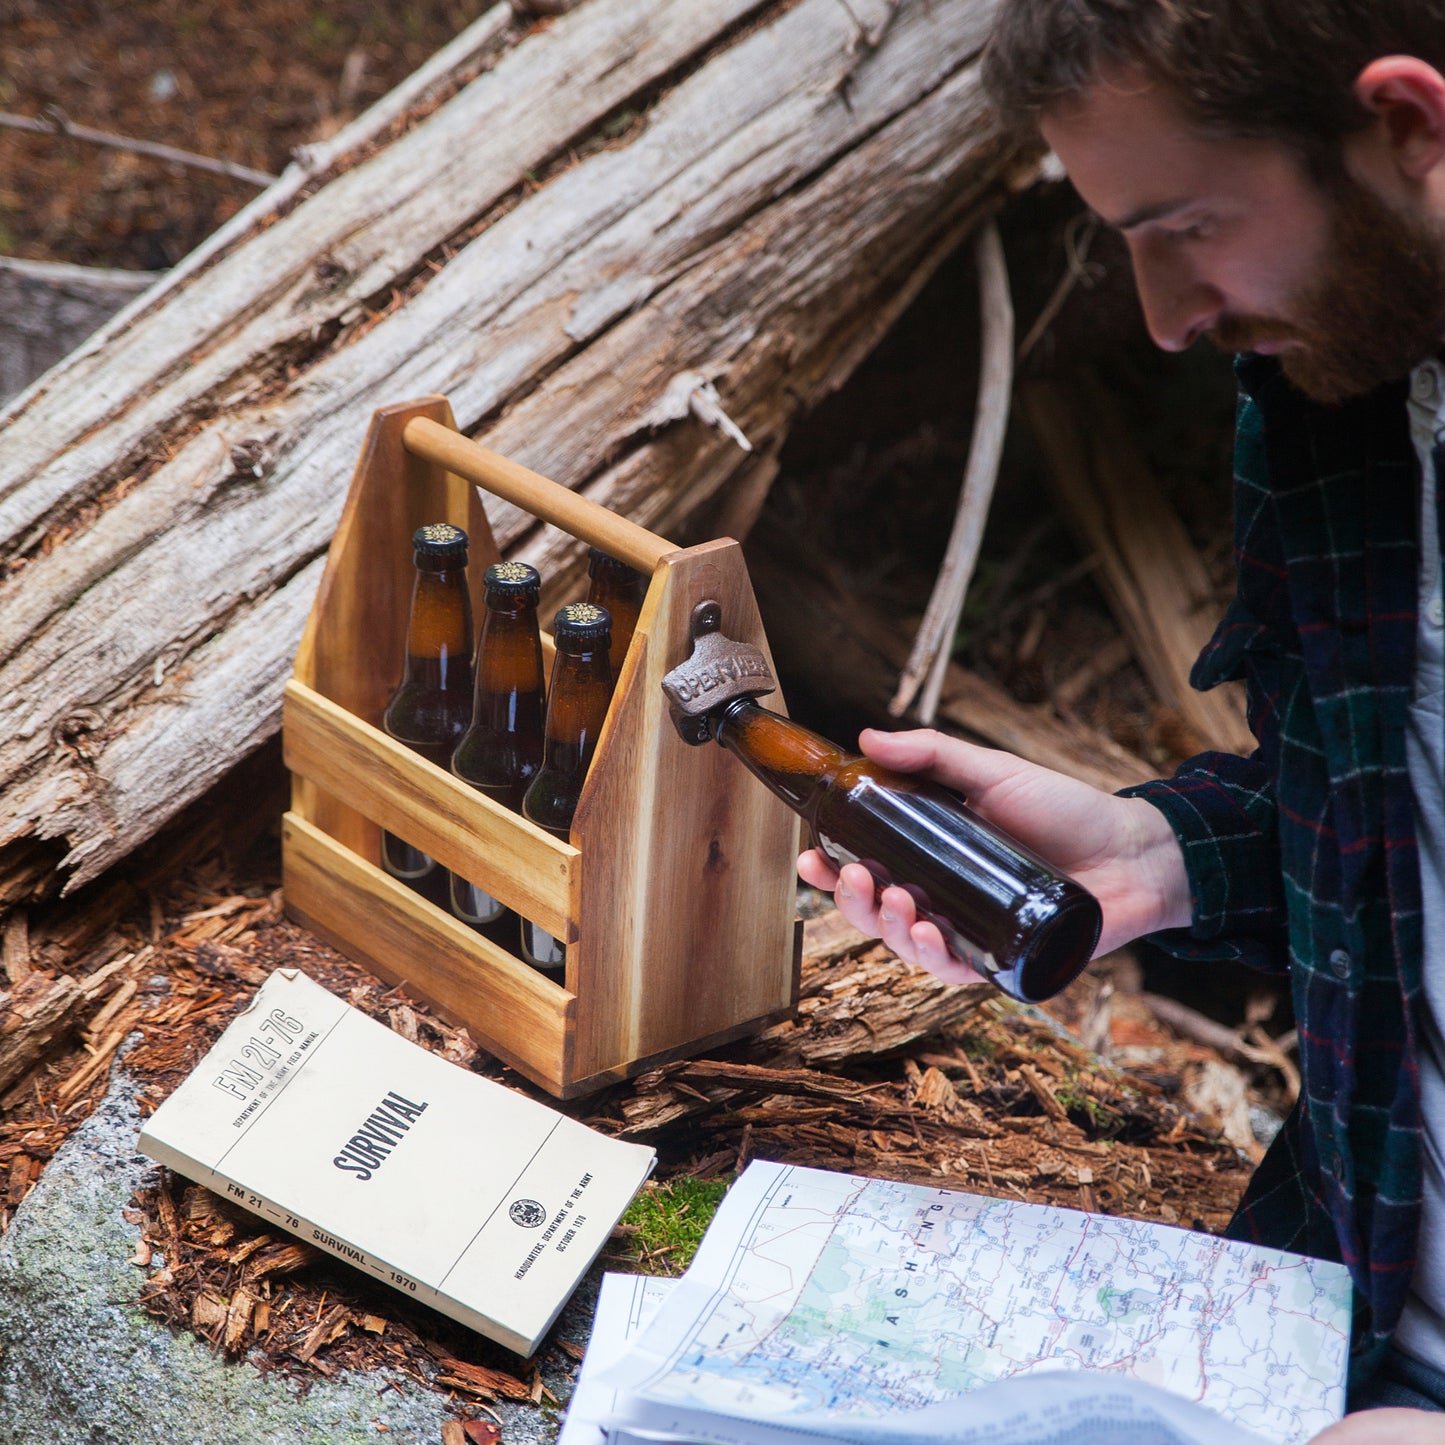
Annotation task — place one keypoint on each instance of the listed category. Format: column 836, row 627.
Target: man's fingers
column 951, row 760
column 815, row 869
column 889, row 914
column 897, row 914
column 931, row 952
column 856, row 900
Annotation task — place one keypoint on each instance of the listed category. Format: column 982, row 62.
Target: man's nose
column 1179, row 306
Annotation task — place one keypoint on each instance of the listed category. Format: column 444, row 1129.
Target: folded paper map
column 828, row 1306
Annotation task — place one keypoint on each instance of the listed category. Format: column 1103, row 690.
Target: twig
column 1113, row 655
column 1191, row 1024
column 931, row 648
column 1078, row 237
column 55, row 122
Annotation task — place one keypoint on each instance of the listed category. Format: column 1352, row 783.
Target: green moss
column 669, row 1219
column 1077, row 1100
column 979, row 1047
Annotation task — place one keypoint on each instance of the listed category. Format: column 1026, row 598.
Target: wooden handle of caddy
column 534, row 493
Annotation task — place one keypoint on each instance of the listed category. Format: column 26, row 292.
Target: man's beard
column 1375, row 310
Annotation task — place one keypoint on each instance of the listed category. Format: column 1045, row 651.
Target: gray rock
column 80, row 1361
column 48, row 308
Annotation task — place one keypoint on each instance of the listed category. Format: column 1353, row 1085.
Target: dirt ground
column 237, row 82
column 993, row 1098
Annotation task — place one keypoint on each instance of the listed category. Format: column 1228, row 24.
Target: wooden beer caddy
column 675, row 893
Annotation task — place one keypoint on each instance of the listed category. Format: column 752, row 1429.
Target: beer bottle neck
column 626, row 592
column 620, row 590
column 576, row 709
column 795, row 762
column 509, row 663
column 439, row 634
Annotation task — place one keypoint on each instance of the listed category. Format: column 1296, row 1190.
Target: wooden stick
column 17, row 946
column 930, row 656
column 1079, row 272
column 534, row 493
column 55, row 122
column 1157, row 586
column 1191, row 1024
column 94, row 1066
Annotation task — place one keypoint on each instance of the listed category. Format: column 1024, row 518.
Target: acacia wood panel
column 687, row 896
column 506, row 1006
column 514, row 860
column 354, row 646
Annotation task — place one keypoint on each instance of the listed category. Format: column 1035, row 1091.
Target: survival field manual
column 467, row 1196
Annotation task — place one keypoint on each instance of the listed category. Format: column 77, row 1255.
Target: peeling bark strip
column 728, row 201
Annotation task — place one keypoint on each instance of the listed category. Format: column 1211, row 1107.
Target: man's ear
column 1407, row 97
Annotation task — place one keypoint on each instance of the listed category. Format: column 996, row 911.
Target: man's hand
column 1121, row 849
column 1386, row 1427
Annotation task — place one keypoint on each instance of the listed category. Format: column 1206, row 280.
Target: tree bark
column 841, row 648
column 627, row 204
column 1157, row 586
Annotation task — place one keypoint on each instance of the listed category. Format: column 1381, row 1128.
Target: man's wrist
column 1158, row 856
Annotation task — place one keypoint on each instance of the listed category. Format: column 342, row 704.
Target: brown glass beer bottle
column 432, row 704
column 576, row 707
column 500, row 752
column 618, row 589
column 999, row 906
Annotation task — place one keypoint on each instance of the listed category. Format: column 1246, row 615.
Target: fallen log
column 1150, row 572
column 41, row 1011
column 847, row 651
column 732, row 200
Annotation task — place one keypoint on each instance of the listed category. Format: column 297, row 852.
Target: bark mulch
column 884, row 1072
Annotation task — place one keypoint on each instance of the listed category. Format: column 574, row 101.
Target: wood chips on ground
column 884, row 1072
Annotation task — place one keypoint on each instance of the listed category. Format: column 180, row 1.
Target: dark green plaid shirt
column 1302, row 857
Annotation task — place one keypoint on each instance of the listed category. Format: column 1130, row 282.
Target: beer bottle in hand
column 433, row 702
column 502, row 750
column 999, row 906
column 618, row 589
column 576, row 707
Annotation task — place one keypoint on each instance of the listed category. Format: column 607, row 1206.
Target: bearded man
column 1277, row 170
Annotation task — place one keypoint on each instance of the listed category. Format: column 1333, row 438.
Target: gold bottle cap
column 582, row 620
column 439, row 542
column 512, row 577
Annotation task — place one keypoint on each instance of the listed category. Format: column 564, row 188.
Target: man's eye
column 1196, row 231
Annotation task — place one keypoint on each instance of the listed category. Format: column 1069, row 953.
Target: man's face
column 1232, row 239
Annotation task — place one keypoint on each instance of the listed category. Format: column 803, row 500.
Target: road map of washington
column 835, row 1294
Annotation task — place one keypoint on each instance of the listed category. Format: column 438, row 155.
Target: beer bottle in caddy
column 999, row 906
column 576, row 708
column 432, row 704
column 500, row 752
column 619, row 590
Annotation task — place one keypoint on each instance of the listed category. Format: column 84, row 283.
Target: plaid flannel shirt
column 1302, row 857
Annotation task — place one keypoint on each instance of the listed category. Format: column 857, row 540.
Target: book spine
column 312, row 1233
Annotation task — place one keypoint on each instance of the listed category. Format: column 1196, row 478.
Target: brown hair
column 1276, row 69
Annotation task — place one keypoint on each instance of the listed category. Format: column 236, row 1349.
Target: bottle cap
column 512, row 578
column 600, row 561
column 440, row 542
column 583, row 621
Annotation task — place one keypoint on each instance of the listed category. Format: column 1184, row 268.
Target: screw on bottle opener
column 718, row 672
